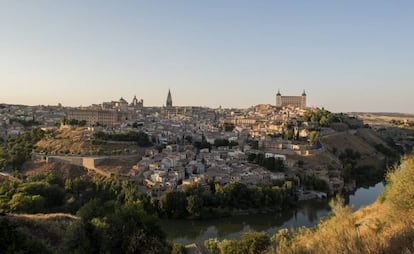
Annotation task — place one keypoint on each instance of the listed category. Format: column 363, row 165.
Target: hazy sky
column 347, row 55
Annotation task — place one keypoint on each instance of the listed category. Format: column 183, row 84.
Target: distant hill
column 394, row 114
column 383, row 119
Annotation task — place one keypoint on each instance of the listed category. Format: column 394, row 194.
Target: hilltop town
column 261, row 145
column 110, row 162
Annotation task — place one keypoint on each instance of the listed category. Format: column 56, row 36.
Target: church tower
column 169, row 100
column 303, row 100
column 278, row 99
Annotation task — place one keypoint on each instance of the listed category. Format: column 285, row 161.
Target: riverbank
column 306, row 213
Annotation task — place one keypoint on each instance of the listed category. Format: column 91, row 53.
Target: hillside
column 362, row 141
column 363, row 153
column 70, row 145
column 383, row 227
column 48, row 229
column 79, row 141
column 64, row 170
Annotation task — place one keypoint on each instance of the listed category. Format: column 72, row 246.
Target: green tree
column 83, row 237
column 14, row 240
column 254, row 243
column 400, row 190
column 313, row 137
column 221, row 142
column 22, row 202
column 174, row 204
column 121, row 229
column 212, row 245
column 178, row 249
column 228, row 127
column 230, row 247
column 194, row 205
column 131, row 230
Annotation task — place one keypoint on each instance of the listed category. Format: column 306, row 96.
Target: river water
column 307, row 214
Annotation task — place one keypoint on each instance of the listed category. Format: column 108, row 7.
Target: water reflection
column 364, row 196
column 307, row 214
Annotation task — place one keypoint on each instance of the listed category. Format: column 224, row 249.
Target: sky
column 348, row 55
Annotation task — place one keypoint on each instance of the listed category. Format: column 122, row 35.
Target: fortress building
column 292, row 101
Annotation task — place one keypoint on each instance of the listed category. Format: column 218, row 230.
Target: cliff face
column 386, row 226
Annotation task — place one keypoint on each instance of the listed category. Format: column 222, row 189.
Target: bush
column 177, row 249
column 13, row 240
column 400, row 188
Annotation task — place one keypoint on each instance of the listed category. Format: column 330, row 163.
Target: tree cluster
column 195, row 202
column 250, row 243
column 16, row 151
column 322, row 116
column 114, row 213
column 362, row 173
column 25, row 123
column 315, row 183
column 272, row 164
column 203, row 144
column 224, row 142
column 401, row 123
column 108, row 227
column 15, row 240
column 141, row 138
column 72, row 122
column 314, row 137
column 228, row 127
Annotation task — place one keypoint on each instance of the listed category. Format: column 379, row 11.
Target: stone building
column 293, row 101
column 110, row 118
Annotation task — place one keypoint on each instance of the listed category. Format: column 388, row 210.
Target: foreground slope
column 383, row 227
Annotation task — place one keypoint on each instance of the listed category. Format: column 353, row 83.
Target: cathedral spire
column 169, row 99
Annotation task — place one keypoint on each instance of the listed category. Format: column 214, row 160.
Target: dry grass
column 386, row 226
column 78, row 142
column 45, row 216
column 344, row 140
column 119, row 165
column 74, row 140
column 65, row 170
column 362, row 141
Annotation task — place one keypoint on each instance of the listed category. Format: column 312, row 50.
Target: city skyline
column 353, row 56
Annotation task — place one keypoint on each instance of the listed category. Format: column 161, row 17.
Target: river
column 307, row 214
